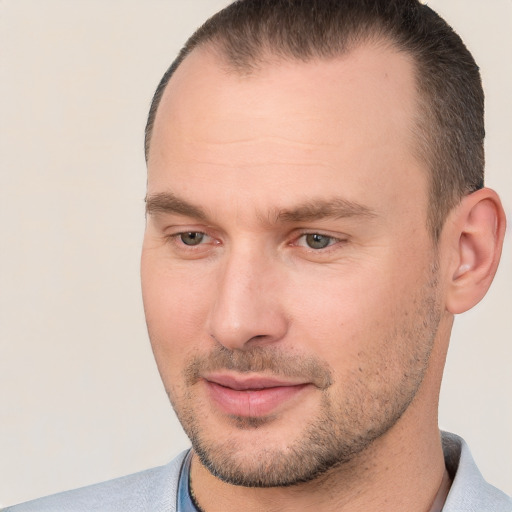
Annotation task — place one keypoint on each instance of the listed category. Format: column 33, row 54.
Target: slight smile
column 251, row 396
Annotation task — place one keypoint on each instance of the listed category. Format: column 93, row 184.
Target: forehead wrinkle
column 207, row 141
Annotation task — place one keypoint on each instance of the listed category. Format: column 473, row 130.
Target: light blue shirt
column 156, row 490
column 185, row 503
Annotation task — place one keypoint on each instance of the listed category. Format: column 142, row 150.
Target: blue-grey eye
column 317, row 241
column 192, row 238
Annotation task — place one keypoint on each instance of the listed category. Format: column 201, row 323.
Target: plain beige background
column 81, row 400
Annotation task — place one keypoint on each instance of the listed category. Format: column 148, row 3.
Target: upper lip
column 246, row 382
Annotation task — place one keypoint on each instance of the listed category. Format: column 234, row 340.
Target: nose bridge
column 247, row 309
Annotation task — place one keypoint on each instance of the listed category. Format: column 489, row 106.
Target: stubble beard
column 345, row 426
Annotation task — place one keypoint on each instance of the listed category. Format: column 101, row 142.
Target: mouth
column 252, row 396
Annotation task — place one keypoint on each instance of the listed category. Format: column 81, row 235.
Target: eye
column 192, row 244
column 316, row 241
column 191, row 237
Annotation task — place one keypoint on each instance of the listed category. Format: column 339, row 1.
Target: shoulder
column 153, row 490
column 469, row 491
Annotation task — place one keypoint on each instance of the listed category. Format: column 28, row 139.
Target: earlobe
column 479, row 229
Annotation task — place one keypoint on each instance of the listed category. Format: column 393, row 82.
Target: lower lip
column 252, row 403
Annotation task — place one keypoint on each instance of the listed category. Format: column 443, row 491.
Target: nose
column 247, row 309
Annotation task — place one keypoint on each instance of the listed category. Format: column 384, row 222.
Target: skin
column 255, row 164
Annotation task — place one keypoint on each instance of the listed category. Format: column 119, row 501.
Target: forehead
column 371, row 81
column 351, row 117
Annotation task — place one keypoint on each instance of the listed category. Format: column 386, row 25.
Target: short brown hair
column 449, row 125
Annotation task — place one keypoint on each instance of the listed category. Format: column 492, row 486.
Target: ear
column 477, row 229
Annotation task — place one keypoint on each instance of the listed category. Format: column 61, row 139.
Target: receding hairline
column 267, row 57
column 419, row 122
column 448, row 126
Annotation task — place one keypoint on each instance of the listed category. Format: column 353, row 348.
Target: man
column 316, row 216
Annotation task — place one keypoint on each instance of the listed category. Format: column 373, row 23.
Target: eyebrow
column 167, row 202
column 336, row 208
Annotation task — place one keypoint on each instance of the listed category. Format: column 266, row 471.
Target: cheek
column 175, row 305
column 355, row 319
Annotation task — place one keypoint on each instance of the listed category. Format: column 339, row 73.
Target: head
column 449, row 124
column 299, row 283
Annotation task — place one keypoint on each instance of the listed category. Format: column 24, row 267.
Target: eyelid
column 178, row 228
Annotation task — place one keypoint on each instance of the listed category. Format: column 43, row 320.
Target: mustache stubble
column 262, row 360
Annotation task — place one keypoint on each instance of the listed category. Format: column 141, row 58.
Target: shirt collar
column 184, row 501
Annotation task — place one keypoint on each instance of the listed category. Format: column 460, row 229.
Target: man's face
column 289, row 279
